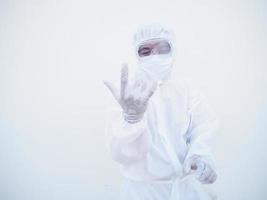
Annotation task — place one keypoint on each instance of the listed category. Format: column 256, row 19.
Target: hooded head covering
column 158, row 66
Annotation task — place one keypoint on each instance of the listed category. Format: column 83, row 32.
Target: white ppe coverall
column 177, row 125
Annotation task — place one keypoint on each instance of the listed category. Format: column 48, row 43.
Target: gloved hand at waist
column 200, row 169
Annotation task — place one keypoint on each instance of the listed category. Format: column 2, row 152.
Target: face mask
column 158, row 66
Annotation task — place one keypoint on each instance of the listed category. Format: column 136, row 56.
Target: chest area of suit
column 167, row 112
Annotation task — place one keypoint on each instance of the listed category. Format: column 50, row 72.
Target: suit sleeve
column 128, row 143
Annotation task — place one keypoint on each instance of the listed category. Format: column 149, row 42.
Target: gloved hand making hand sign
column 132, row 97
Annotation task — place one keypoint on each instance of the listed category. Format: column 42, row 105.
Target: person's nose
column 154, row 51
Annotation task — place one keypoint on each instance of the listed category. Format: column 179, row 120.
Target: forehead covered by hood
column 148, row 32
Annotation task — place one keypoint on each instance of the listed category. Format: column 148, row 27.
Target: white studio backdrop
column 54, row 56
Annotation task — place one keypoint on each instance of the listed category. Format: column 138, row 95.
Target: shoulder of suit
column 184, row 87
column 180, row 84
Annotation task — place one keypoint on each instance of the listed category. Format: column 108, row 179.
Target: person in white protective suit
column 161, row 128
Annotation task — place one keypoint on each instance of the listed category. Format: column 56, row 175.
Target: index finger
column 124, row 80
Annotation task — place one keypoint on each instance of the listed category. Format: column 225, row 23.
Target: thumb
column 112, row 89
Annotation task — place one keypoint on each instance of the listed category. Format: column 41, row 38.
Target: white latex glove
column 200, row 169
column 133, row 98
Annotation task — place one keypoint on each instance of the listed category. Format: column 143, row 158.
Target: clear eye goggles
column 153, row 47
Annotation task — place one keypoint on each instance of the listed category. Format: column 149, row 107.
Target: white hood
column 158, row 67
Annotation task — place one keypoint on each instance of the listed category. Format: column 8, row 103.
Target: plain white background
column 54, row 56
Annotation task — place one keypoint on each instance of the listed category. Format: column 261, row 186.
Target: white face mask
column 157, row 66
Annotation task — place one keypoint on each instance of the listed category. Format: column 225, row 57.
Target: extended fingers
column 112, row 89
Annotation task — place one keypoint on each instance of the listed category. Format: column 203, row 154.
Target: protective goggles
column 154, row 47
